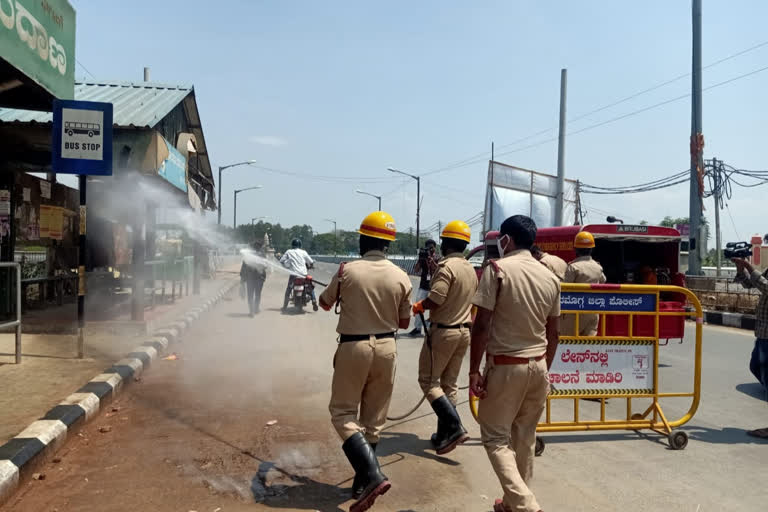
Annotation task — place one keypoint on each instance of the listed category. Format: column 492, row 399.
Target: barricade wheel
column 678, row 440
column 637, row 416
column 540, row 445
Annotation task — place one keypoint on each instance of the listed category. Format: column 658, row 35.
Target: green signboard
column 37, row 37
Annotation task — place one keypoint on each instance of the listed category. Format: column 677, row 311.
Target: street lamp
column 334, row 235
column 234, row 216
column 221, row 168
column 418, row 199
column 369, row 194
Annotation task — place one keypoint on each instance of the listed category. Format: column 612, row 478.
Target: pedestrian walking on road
column 452, row 288
column 518, row 310
column 583, row 269
column 373, row 297
column 426, row 265
column 253, row 273
column 758, row 362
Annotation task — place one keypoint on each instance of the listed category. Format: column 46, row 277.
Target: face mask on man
column 502, row 243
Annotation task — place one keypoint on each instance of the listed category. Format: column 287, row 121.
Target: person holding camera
column 749, row 277
column 426, row 266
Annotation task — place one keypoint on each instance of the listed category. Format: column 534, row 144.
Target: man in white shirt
column 298, row 262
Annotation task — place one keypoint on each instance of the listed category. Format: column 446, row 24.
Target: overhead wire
column 327, row 179
column 476, row 158
column 85, row 69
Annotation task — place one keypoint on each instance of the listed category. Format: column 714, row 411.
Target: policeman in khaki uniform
column 374, row 299
column 555, row 264
column 582, row 270
column 517, row 319
column 450, row 302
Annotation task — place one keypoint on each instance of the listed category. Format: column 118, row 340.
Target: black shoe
column 363, row 459
column 455, row 434
column 438, row 437
column 357, row 483
column 415, row 333
column 314, row 306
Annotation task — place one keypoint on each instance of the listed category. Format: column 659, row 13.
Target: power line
column 636, row 112
column 735, row 230
column 474, row 159
column 85, row 69
column 327, row 179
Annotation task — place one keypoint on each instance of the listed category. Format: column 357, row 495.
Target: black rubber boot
column 437, row 437
column 357, row 484
column 363, row 459
column 455, row 434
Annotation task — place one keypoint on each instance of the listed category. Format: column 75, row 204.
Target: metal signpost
column 82, row 144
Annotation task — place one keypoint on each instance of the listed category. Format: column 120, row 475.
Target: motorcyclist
column 298, row 262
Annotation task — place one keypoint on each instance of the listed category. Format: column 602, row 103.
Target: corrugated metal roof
column 139, row 104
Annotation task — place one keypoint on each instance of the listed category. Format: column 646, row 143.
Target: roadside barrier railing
column 604, row 367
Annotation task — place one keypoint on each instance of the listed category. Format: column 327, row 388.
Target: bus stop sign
column 82, row 137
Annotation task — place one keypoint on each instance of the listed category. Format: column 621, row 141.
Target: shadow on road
column 727, row 435
column 287, row 490
column 299, row 493
column 753, row 389
column 393, row 443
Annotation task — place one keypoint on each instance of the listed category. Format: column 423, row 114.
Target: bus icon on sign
column 71, row 128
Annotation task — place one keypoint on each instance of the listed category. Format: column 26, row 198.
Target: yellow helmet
column 457, row 229
column 378, row 225
column 584, row 240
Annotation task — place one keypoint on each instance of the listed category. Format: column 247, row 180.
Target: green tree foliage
column 345, row 242
column 670, row 222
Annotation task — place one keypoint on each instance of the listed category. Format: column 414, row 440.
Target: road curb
column 20, row 456
column 738, row 320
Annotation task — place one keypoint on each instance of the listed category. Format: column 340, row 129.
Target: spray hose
column 431, row 369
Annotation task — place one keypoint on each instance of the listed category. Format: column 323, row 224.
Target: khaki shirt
column 522, row 296
column 555, row 264
column 375, row 295
column 584, row 270
column 453, row 286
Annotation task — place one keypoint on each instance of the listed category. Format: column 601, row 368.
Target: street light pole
column 223, row 167
column 369, row 194
column 234, row 213
column 334, row 236
column 418, row 198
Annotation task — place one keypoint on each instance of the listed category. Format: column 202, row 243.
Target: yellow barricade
column 624, row 366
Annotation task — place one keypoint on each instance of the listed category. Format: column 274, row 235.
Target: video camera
column 737, row 250
column 423, row 253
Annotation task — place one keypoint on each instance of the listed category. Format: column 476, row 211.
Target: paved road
column 192, row 434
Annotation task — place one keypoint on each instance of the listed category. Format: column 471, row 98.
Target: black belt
column 454, row 326
column 343, row 338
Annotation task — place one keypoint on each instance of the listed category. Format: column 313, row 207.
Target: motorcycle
column 303, row 293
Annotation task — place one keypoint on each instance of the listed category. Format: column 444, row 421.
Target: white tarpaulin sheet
column 512, row 191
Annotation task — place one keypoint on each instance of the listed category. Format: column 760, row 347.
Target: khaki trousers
column 363, row 377
column 448, row 349
column 587, row 325
column 508, row 418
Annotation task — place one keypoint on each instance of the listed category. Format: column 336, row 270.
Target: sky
column 328, row 95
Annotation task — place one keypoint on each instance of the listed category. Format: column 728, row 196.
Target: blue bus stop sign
column 82, row 137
